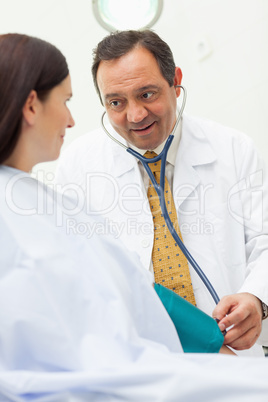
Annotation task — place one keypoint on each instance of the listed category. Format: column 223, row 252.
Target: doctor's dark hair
column 26, row 64
column 118, row 44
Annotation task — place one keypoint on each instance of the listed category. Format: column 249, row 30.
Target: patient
column 79, row 316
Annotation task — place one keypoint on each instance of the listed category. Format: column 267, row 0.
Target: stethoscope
column 160, row 189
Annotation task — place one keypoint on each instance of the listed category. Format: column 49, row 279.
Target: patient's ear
column 30, row 108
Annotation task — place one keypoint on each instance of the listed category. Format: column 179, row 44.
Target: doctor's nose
column 136, row 112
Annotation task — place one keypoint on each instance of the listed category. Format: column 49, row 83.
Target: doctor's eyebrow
column 142, row 89
column 112, row 95
column 149, row 88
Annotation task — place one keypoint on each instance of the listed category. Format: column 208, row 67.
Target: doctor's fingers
column 233, row 309
column 226, row 304
column 243, row 335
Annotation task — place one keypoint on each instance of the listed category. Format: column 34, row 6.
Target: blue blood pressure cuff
column 198, row 332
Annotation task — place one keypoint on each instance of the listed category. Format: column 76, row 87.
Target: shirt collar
column 172, row 152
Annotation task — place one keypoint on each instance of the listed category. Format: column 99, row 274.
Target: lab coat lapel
column 194, row 150
column 132, row 211
column 125, row 166
column 122, row 162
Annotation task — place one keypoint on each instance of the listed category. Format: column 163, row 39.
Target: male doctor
column 217, row 179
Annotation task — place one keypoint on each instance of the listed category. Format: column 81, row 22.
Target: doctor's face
column 140, row 104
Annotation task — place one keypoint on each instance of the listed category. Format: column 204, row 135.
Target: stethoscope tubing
column 160, row 190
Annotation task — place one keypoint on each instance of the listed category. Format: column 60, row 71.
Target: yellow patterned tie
column 170, row 265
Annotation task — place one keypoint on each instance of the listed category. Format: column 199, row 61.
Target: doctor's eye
column 147, row 95
column 115, row 103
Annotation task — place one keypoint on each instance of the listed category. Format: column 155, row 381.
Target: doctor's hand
column 243, row 311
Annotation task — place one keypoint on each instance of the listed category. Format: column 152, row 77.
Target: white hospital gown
column 80, row 321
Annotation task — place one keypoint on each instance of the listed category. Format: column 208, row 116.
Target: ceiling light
column 118, row 15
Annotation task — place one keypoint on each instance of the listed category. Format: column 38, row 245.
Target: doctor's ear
column 177, row 80
column 29, row 110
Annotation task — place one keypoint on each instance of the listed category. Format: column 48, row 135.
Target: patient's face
column 54, row 117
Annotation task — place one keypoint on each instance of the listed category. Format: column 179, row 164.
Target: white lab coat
column 220, row 190
column 79, row 320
